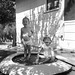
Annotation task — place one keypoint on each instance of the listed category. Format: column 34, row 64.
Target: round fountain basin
column 15, row 65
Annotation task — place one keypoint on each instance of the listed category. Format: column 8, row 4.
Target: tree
column 8, row 14
column 7, row 11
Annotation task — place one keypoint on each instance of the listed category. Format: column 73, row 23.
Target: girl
column 46, row 50
column 26, row 38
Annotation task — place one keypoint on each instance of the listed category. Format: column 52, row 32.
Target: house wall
column 69, row 26
column 69, row 35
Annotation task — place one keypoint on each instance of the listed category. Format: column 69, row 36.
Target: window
column 52, row 5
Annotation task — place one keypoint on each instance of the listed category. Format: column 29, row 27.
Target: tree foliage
column 7, row 16
column 7, row 11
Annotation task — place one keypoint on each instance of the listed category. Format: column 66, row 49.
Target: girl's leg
column 29, row 51
column 37, row 59
column 25, row 52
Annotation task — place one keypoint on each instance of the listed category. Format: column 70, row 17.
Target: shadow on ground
column 4, row 54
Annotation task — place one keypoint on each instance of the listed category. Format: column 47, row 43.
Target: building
column 43, row 20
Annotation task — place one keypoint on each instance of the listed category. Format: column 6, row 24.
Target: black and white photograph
column 37, row 37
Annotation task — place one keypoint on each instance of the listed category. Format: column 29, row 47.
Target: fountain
column 15, row 65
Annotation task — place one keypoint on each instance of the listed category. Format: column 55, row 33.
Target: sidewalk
column 8, row 47
column 69, row 55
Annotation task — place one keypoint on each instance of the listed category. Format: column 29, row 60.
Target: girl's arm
column 22, row 41
column 21, row 34
column 30, row 33
column 52, row 53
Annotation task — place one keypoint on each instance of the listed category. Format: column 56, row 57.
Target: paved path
column 71, row 57
column 8, row 47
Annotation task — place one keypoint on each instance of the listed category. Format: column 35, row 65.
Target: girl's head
column 25, row 21
column 47, row 40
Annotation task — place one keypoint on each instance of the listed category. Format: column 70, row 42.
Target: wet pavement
column 71, row 56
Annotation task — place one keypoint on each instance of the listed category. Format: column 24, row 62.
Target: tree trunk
column 14, row 38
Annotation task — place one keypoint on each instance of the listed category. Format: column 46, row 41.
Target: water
column 3, row 54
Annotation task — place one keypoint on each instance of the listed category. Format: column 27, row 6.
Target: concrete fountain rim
column 8, row 62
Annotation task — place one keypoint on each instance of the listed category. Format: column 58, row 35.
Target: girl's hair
column 46, row 37
column 25, row 18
